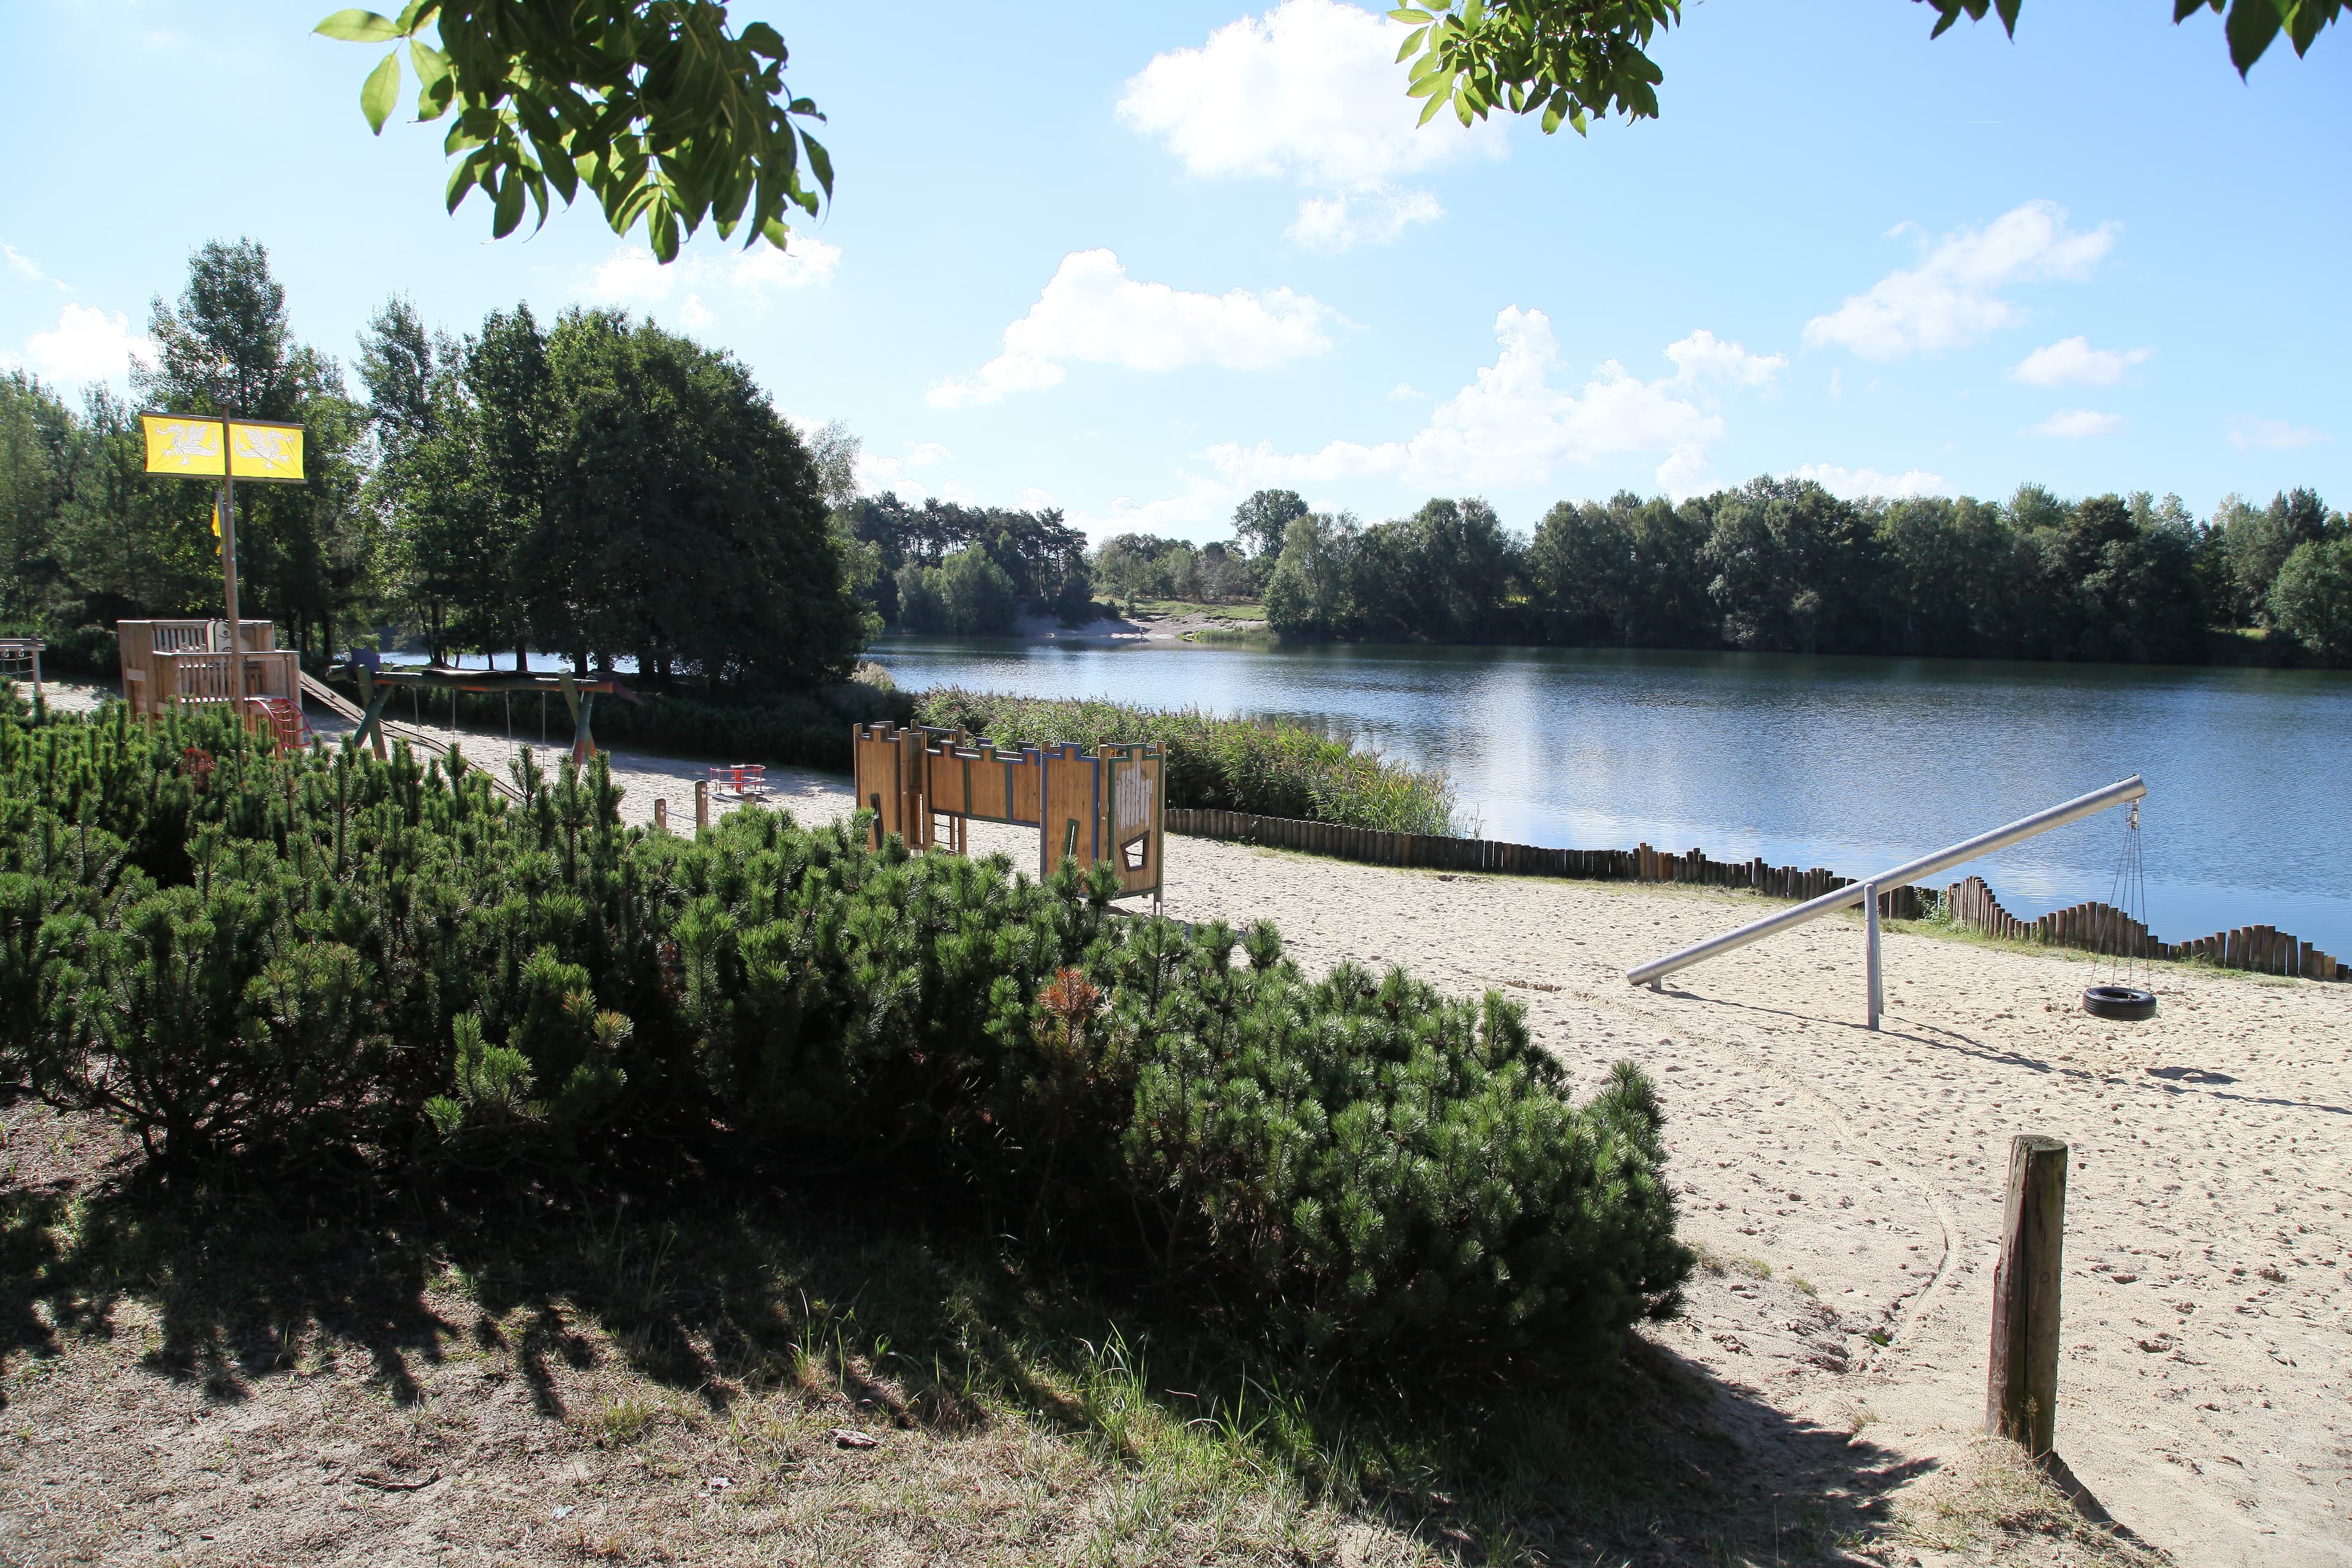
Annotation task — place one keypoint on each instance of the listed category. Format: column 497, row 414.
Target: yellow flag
column 259, row 450
column 177, row 445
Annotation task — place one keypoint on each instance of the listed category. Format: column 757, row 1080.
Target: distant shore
column 1142, row 627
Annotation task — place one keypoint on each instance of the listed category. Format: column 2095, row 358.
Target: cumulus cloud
column 2248, row 433
column 1307, row 92
column 632, row 279
column 2075, row 425
column 87, row 344
column 2072, row 362
column 1952, row 297
column 1856, row 484
column 1092, row 312
column 1703, row 357
column 1512, row 426
column 1369, row 213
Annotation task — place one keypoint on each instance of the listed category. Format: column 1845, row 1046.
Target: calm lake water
column 1853, row 764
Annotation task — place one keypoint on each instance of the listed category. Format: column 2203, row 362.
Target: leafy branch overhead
column 1569, row 60
column 654, row 106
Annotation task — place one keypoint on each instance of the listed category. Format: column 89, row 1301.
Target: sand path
column 2206, row 1387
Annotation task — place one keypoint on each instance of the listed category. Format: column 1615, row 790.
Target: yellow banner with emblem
column 208, row 449
column 195, row 447
column 265, row 450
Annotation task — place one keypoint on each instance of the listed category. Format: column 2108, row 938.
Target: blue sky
column 1135, row 261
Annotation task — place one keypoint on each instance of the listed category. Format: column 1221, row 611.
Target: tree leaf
column 379, row 92
column 357, row 27
column 2252, row 26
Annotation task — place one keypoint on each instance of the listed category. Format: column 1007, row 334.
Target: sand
column 2206, row 1384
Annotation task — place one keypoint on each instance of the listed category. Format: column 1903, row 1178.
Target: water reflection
column 1853, row 764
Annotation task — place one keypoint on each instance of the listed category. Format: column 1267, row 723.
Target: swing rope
column 2128, row 891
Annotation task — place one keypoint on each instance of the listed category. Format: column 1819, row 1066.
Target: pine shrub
column 331, row 959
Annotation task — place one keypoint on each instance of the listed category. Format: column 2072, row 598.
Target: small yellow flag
column 265, row 451
column 176, row 446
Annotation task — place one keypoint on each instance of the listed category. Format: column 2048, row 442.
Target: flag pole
column 229, row 579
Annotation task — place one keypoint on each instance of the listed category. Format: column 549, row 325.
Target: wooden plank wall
column 2097, row 928
column 2103, row 927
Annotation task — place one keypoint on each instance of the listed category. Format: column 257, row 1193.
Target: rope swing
column 2127, row 993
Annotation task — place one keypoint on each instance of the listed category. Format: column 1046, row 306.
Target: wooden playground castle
column 1108, row 805
column 165, row 662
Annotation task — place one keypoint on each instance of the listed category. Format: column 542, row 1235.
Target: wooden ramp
column 343, row 708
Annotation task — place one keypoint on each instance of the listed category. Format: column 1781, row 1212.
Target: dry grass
column 1994, row 1505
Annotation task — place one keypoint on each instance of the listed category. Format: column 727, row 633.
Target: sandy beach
column 1848, row 1185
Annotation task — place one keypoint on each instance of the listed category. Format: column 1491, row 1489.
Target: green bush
column 1264, row 767
column 2311, row 600
column 328, row 958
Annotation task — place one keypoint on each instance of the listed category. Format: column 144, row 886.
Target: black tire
column 2127, row 1003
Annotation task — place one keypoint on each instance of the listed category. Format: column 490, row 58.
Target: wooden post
column 2022, row 1386
column 701, row 805
column 661, row 817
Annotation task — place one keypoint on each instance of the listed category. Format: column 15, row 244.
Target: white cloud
column 1373, row 215
column 25, row 266
column 2072, row 362
column 1203, row 504
column 1511, row 426
column 1703, row 357
column 1405, row 392
column 87, row 344
column 1950, row 299
column 1856, row 484
column 881, row 473
column 2248, row 433
column 630, row 276
column 1310, row 92
column 2075, row 425
column 1093, row 313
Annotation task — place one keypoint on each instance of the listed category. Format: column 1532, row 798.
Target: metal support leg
column 1869, row 924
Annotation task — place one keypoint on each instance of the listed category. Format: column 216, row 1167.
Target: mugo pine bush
column 337, row 960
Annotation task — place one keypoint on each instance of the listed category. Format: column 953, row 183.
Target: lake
column 1853, row 764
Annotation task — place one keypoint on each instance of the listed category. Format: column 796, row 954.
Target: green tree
column 2311, row 599
column 1305, row 595
column 1568, row 61
column 305, row 551
column 1795, row 568
column 977, row 597
column 657, row 107
column 685, row 524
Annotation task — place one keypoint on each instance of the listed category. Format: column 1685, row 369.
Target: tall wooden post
column 2022, row 1386
column 661, row 817
column 701, row 805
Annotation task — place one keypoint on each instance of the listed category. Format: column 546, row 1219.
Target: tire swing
column 2119, row 997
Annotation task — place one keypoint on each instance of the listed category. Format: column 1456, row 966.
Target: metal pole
column 2017, row 832
column 228, row 581
column 1870, row 923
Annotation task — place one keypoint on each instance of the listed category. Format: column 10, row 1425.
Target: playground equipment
column 21, row 658
column 1104, row 805
column 1870, row 891
column 578, row 693
column 744, row 780
column 165, row 662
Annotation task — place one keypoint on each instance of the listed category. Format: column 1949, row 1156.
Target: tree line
column 1783, row 565
column 594, row 488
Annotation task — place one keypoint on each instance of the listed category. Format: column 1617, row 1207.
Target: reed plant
column 1272, row 767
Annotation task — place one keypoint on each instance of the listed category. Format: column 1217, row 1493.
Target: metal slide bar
column 2017, row 832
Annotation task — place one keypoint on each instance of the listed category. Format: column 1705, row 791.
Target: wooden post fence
column 661, row 817
column 2021, row 1385
column 701, row 805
